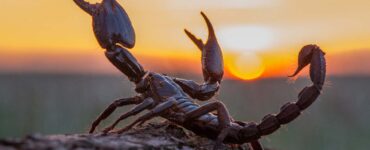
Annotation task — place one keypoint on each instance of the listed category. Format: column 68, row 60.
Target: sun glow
column 246, row 66
column 243, row 42
column 243, row 38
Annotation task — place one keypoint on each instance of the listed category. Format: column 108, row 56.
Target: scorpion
column 172, row 98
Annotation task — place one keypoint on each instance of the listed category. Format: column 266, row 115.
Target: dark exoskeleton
column 170, row 97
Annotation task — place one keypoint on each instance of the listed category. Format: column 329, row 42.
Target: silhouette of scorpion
column 171, row 98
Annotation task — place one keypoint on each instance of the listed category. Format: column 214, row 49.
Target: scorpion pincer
column 172, row 98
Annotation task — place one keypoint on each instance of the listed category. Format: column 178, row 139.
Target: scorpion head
column 161, row 86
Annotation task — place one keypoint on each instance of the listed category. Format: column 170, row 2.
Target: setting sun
column 246, row 66
column 244, row 42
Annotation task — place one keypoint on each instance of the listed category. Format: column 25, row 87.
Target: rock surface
column 163, row 136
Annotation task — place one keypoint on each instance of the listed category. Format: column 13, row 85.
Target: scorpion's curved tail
column 310, row 54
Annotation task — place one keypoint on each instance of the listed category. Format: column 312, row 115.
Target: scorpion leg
column 147, row 103
column 255, row 145
column 157, row 110
column 212, row 66
column 117, row 103
column 223, row 117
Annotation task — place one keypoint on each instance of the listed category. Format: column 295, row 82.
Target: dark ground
column 164, row 136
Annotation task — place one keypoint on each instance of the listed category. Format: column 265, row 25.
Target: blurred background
column 54, row 77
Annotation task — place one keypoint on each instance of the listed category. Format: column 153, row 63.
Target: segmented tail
column 310, row 54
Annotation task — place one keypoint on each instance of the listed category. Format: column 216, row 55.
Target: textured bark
column 151, row 136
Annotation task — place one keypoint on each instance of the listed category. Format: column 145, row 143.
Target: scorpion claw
column 212, row 59
column 212, row 66
column 197, row 42
column 86, row 6
column 110, row 22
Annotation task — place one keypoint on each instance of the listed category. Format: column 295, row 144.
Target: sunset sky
column 258, row 37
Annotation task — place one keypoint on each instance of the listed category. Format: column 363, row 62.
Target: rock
column 161, row 136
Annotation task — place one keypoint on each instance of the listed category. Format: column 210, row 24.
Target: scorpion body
column 172, row 98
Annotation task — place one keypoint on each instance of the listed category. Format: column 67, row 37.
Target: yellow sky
column 273, row 30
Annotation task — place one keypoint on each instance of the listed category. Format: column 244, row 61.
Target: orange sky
column 56, row 36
